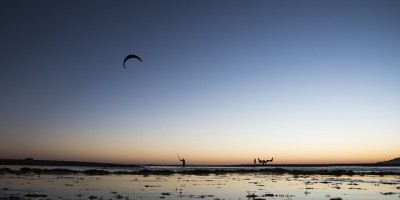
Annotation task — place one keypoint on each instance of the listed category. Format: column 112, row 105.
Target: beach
column 40, row 183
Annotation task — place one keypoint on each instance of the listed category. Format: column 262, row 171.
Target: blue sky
column 221, row 82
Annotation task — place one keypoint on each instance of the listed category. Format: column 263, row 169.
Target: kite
column 131, row 56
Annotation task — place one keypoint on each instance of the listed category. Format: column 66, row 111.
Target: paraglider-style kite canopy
column 131, row 56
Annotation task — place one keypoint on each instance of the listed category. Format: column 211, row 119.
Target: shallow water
column 180, row 186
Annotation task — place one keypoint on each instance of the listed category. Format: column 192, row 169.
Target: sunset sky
column 222, row 82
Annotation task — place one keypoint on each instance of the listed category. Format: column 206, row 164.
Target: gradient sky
column 222, row 82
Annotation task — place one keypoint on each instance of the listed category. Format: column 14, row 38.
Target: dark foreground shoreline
column 145, row 172
column 275, row 171
column 277, row 168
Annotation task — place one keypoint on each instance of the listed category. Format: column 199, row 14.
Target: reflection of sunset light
column 226, row 186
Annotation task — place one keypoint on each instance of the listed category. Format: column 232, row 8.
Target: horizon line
column 33, row 161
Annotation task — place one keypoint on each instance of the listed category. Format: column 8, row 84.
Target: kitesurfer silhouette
column 263, row 162
column 183, row 162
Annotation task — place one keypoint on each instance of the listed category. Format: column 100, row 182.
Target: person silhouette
column 255, row 161
column 183, row 162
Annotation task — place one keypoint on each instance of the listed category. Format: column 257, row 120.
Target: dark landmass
column 395, row 161
column 31, row 162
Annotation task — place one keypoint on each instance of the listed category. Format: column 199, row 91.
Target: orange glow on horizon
column 205, row 160
column 127, row 150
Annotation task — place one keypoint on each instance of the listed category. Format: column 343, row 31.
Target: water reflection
column 180, row 186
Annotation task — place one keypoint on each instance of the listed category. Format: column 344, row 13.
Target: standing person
column 255, row 161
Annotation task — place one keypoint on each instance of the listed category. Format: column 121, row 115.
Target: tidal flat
column 189, row 186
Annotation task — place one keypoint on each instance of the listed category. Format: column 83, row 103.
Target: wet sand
column 33, row 185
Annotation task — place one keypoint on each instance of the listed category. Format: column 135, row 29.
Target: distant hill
column 393, row 161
